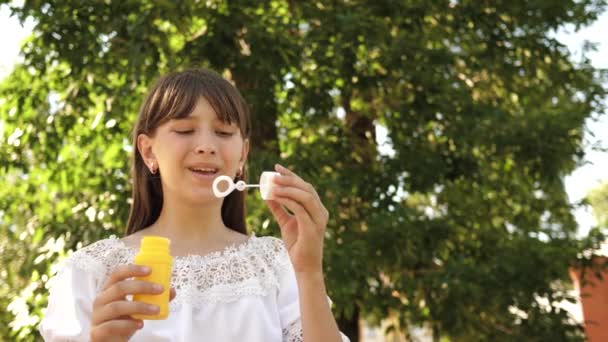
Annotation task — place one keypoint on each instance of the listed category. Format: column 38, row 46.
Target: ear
column 244, row 153
column 144, row 146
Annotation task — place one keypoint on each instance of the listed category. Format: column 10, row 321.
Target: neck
column 190, row 223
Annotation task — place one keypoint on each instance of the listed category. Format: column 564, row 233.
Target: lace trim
column 293, row 333
column 251, row 268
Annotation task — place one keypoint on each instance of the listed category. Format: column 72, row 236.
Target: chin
column 204, row 197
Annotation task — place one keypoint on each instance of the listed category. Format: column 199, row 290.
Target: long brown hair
column 175, row 96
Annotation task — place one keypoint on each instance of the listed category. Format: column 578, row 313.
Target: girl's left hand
column 304, row 231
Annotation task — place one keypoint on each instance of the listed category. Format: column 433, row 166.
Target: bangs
column 177, row 95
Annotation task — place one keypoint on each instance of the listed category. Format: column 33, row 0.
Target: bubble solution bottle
column 154, row 253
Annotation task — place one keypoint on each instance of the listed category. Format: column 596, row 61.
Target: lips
column 204, row 171
column 207, row 169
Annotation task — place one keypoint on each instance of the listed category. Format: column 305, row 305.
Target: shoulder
column 100, row 257
column 272, row 251
column 270, row 246
column 268, row 241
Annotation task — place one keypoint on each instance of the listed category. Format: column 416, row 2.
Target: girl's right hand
column 111, row 319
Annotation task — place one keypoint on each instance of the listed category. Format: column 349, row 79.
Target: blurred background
column 460, row 147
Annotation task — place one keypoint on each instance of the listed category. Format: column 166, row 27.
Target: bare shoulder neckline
column 253, row 267
column 232, row 248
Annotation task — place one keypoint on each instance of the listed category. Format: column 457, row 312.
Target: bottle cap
column 266, row 183
column 155, row 244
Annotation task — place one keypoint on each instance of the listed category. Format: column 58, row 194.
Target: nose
column 206, row 144
column 205, row 149
column 205, row 141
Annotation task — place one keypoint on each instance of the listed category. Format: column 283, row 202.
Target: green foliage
column 598, row 198
column 465, row 226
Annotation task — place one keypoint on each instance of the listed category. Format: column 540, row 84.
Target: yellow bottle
column 154, row 253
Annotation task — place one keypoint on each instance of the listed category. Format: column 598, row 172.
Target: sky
column 14, row 33
column 588, row 176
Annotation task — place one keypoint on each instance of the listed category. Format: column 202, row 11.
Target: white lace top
column 242, row 293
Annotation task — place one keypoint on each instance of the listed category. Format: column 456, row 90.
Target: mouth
column 205, row 171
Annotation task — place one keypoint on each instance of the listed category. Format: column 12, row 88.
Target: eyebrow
column 195, row 118
column 189, row 118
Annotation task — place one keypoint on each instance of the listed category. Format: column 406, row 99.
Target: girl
column 226, row 286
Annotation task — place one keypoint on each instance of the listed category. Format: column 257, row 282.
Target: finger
column 124, row 309
column 126, row 271
column 278, row 212
column 289, row 176
column 306, row 199
column 172, row 294
column 124, row 327
column 301, row 214
column 120, row 290
column 283, row 170
column 291, row 181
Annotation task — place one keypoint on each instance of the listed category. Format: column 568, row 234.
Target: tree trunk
column 349, row 326
column 263, row 111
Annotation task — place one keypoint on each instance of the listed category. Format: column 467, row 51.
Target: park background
column 455, row 144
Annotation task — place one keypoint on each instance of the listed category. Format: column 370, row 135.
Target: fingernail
column 158, row 287
column 152, row 308
column 144, row 269
column 140, row 325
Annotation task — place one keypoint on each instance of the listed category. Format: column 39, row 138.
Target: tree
column 598, row 198
column 463, row 225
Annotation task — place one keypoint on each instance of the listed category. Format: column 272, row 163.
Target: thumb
column 278, row 212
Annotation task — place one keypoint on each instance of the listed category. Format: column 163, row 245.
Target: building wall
column 594, row 301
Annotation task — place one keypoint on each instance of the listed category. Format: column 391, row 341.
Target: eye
column 224, row 133
column 184, row 132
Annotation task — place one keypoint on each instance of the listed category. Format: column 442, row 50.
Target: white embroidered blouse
column 242, row 293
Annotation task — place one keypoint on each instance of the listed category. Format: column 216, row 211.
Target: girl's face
column 191, row 152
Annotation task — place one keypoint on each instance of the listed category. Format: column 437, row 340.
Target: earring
column 152, row 169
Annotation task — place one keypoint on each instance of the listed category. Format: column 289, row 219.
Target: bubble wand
column 265, row 184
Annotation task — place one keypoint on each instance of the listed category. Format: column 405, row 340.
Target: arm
column 69, row 305
column 303, row 234
column 318, row 322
